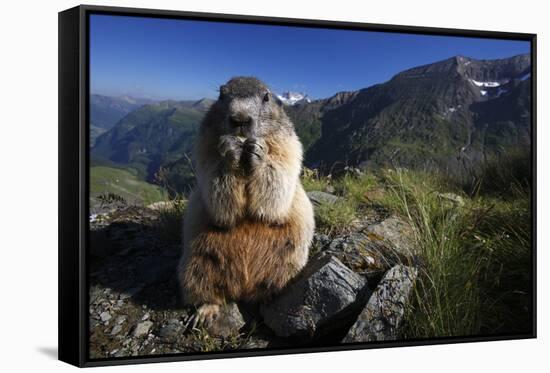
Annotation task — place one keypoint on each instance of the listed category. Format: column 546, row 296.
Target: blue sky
column 181, row 59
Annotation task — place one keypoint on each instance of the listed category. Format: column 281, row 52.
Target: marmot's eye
column 266, row 97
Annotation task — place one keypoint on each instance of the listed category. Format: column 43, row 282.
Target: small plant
column 204, row 342
column 311, row 180
column 475, row 258
column 171, row 219
column 111, row 199
column 499, row 175
column 355, row 187
column 335, row 218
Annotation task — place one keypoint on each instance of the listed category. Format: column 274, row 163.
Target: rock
column 105, row 316
column 170, row 331
column 254, row 342
column 382, row 316
column 228, row 323
column 323, row 294
column 318, row 243
column 353, row 171
column 116, row 329
column 142, row 329
column 396, row 232
column 454, row 199
column 161, row 205
column 318, row 198
column 362, row 254
column 320, row 240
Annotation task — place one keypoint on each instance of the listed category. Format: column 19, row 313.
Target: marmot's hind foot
column 203, row 316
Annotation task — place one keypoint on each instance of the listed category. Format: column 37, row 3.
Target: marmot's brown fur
column 249, row 223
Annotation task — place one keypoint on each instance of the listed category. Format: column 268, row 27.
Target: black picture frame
column 74, row 175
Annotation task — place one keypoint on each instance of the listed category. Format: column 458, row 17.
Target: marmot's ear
column 223, row 92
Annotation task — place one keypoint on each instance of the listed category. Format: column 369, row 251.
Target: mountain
column 106, row 111
column 307, row 116
column 152, row 136
column 293, row 98
column 447, row 115
column 125, row 183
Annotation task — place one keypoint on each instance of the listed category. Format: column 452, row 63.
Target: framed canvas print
column 233, row 186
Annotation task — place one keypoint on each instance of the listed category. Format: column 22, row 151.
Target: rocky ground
column 354, row 289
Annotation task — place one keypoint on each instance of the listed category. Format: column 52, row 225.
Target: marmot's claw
column 203, row 316
column 255, row 147
column 190, row 322
column 230, row 146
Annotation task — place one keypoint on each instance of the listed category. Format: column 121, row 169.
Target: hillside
column 121, row 182
column 152, row 135
column 448, row 115
column 396, row 255
column 307, row 116
column 106, row 111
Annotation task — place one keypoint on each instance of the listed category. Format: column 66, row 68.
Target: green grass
column 475, row 273
column 311, row 180
column 204, row 342
column 335, row 218
column 125, row 183
column 474, row 276
column 355, row 188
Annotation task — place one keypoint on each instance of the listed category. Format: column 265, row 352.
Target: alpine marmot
column 249, row 223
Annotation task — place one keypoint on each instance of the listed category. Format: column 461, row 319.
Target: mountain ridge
column 400, row 121
column 450, row 115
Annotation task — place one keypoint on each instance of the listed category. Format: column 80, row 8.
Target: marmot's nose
column 240, row 119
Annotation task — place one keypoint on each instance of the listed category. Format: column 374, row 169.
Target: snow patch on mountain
column 486, row 84
column 525, row 77
column 501, row 91
column 293, row 98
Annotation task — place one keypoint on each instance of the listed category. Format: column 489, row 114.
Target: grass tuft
column 474, row 279
column 474, row 247
column 311, row 180
column 335, row 218
column 355, row 188
column 170, row 220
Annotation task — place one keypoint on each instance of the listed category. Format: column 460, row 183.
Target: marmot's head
column 247, row 108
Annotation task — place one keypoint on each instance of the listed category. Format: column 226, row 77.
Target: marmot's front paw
column 255, row 151
column 203, row 316
column 230, row 148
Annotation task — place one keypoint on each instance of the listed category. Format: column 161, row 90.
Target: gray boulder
column 142, row 329
column 322, row 295
column 358, row 252
column 396, row 233
column 375, row 249
column 454, row 199
column 228, row 323
column 171, row 330
column 319, row 198
column 383, row 314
